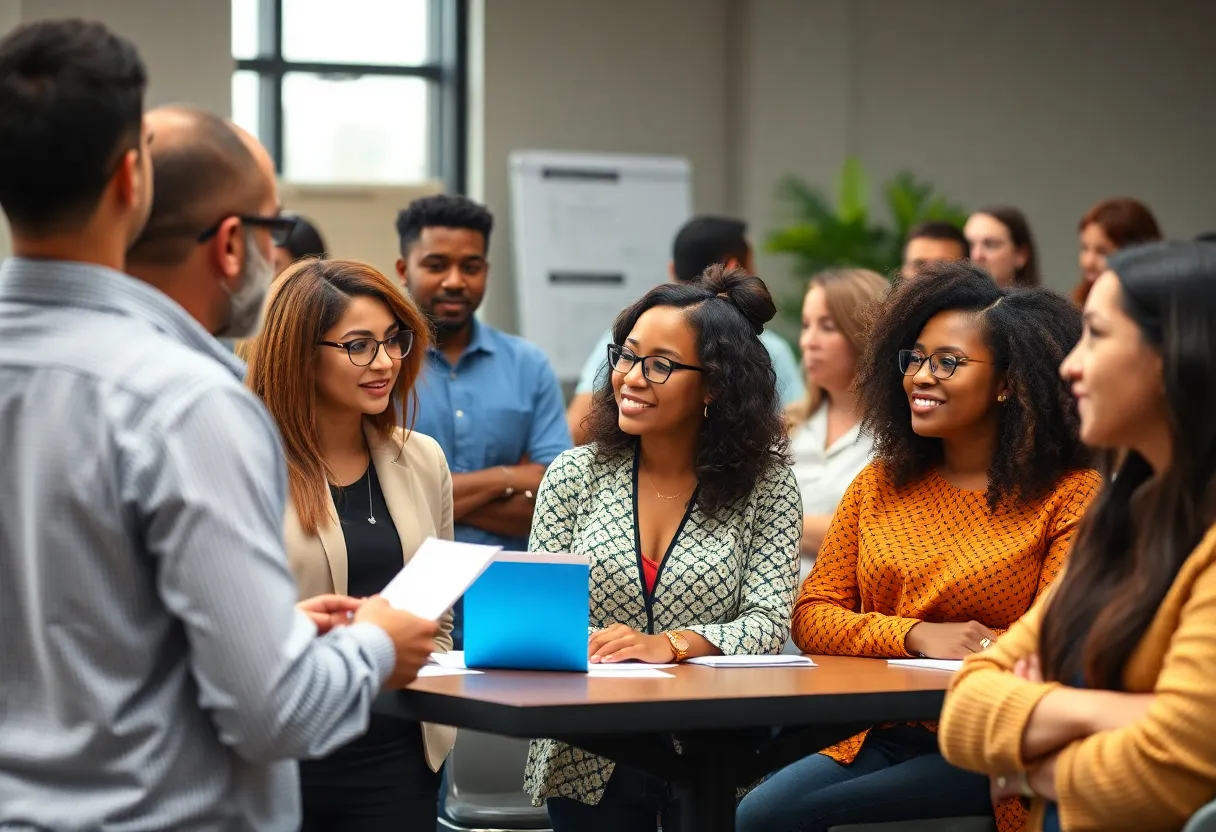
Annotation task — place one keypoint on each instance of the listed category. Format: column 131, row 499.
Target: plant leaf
column 851, row 200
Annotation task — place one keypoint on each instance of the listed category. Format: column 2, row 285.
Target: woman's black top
column 373, row 557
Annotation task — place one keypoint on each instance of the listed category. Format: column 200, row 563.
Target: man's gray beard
column 245, row 304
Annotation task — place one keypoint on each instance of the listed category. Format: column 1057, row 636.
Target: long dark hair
column 1143, row 527
column 744, row 434
column 1029, row 331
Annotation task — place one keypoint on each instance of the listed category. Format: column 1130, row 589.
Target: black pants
column 379, row 783
column 632, row 802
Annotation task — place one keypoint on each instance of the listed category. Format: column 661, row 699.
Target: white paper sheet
column 454, row 659
column 428, row 670
column 780, row 660
column 436, row 576
column 928, row 664
column 615, row 672
column 626, row 667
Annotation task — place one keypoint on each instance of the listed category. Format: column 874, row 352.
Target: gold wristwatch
column 679, row 644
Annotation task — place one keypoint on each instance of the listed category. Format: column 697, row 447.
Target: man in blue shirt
column 701, row 243
column 490, row 400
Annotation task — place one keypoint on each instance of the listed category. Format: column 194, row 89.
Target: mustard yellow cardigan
column 1150, row 775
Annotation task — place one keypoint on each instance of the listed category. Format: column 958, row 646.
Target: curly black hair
column 444, row 211
column 1029, row 332
column 744, row 434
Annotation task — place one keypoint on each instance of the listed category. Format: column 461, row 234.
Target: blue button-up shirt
column 154, row 673
column 500, row 402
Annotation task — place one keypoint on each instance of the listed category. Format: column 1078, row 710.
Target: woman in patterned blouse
column 942, row 543
column 688, row 510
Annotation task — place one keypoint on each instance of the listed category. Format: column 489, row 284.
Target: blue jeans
column 898, row 776
column 632, row 802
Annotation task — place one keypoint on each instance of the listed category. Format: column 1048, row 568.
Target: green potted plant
column 820, row 235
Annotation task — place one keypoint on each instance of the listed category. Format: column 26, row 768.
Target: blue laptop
column 529, row 612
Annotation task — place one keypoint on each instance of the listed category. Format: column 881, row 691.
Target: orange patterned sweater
column 931, row 552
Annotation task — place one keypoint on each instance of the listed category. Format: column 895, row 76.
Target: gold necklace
column 656, row 491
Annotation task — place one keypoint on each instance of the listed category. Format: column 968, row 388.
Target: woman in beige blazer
column 336, row 364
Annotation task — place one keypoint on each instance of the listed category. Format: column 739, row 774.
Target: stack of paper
column 780, row 660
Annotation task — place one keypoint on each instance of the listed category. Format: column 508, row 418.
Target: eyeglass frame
column 933, row 365
column 644, row 359
column 279, row 226
column 375, row 352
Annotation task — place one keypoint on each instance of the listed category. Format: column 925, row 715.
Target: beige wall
column 185, row 44
column 1049, row 106
column 628, row 76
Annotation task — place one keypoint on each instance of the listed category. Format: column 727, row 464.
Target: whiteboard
column 591, row 234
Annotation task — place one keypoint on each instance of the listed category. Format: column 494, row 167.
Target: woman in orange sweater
column 1097, row 705
column 944, row 541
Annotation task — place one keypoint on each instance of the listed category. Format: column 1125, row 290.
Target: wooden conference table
column 720, row 717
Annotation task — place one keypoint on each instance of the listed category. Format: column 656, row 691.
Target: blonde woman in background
column 826, row 440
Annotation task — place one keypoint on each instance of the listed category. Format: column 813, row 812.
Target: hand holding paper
column 413, row 638
column 436, row 576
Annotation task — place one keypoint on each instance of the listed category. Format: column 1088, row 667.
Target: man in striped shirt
column 154, row 671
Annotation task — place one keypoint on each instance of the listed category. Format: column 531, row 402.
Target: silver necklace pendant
column 371, row 509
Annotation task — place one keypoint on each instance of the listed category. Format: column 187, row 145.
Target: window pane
column 379, row 32
column 245, row 28
column 246, row 97
column 370, row 129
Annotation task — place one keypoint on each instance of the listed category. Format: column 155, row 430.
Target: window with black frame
column 354, row 91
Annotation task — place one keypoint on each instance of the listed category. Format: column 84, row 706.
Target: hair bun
column 744, row 291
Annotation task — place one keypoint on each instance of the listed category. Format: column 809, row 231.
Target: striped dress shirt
column 154, row 673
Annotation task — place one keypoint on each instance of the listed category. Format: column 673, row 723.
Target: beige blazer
column 417, row 487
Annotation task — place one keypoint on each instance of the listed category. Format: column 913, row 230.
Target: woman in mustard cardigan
column 1096, row 706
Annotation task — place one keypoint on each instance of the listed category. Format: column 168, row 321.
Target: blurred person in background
column 1002, row 244
column 303, row 241
column 826, row 439
column 1110, row 225
column 933, row 241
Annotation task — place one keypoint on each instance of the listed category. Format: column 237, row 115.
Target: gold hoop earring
column 1002, row 397
column 706, row 412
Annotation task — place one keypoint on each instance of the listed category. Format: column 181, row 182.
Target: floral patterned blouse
column 730, row 578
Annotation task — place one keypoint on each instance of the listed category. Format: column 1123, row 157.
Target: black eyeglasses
column 941, row 364
column 280, row 227
column 363, row 351
column 655, row 368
